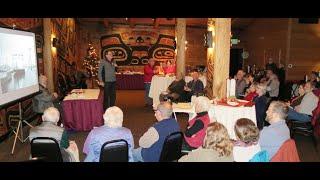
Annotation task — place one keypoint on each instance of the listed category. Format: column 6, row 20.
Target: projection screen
column 18, row 65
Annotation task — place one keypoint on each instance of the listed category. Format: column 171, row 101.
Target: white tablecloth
column 225, row 115
column 86, row 95
column 160, row 83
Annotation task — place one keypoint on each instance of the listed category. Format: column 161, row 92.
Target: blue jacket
column 164, row 128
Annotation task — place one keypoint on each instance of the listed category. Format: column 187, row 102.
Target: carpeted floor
column 137, row 118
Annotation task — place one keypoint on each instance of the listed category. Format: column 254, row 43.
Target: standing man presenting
column 107, row 79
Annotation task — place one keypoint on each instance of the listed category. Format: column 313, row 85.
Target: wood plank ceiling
column 238, row 24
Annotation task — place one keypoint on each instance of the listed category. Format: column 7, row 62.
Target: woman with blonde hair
column 217, row 146
column 246, row 145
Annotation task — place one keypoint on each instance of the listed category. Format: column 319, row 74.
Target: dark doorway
column 235, row 61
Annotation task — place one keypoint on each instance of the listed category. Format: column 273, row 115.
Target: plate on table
column 232, row 103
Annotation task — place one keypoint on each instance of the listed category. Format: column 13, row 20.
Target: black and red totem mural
column 136, row 47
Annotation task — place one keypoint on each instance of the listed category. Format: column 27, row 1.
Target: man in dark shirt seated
column 175, row 91
column 194, row 87
column 78, row 78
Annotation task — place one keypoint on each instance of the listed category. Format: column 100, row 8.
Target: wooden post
column 47, row 53
column 210, row 61
column 181, row 38
column 222, row 56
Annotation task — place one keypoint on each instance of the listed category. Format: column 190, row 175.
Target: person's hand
column 187, row 89
column 101, row 83
column 287, row 103
column 73, row 146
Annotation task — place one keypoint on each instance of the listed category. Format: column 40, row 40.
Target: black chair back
column 46, row 148
column 115, row 151
column 171, row 150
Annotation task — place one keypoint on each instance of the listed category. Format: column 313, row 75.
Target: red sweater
column 196, row 140
column 287, row 152
column 250, row 96
column 148, row 73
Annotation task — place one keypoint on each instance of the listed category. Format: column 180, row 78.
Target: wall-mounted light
column 55, row 42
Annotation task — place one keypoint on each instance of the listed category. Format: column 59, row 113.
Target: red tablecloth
column 83, row 115
column 131, row 82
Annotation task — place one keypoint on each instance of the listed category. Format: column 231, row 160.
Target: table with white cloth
column 83, row 109
column 161, row 83
column 226, row 115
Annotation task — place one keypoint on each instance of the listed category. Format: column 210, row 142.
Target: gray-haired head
column 202, row 104
column 164, row 111
column 113, row 117
column 51, row 115
column 277, row 110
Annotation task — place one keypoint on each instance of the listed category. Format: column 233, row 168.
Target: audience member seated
column 111, row 130
column 246, row 145
column 45, row 99
column 196, row 129
column 303, row 111
column 273, row 136
column 151, row 143
column 315, row 79
column 287, row 152
column 49, row 128
column 194, row 87
column 78, row 78
column 261, row 103
column 217, row 146
column 295, row 101
column 251, row 94
column 249, row 80
column 175, row 91
column 240, row 84
column 272, row 85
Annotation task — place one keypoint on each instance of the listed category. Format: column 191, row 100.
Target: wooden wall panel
column 305, row 49
column 264, row 39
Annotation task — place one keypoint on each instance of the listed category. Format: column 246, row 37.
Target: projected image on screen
column 18, row 65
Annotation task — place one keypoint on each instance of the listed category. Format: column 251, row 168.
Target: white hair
column 202, row 104
column 113, row 117
column 51, row 115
